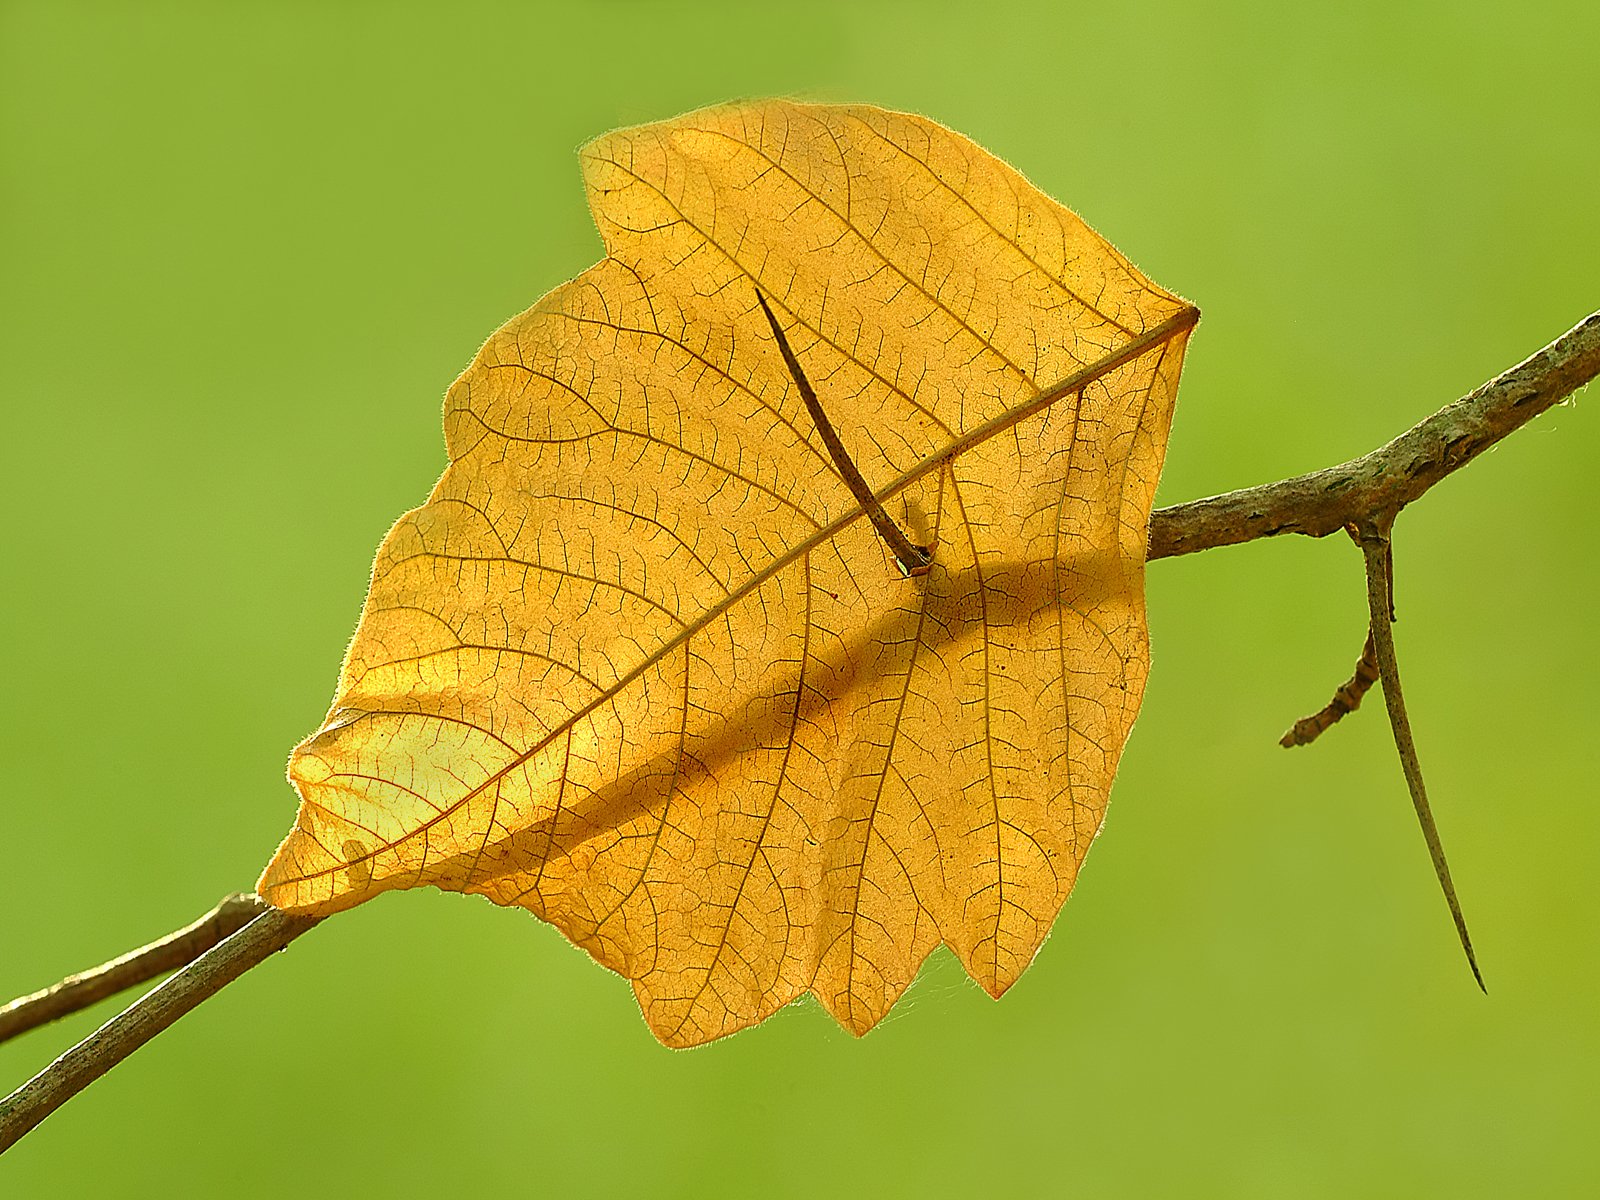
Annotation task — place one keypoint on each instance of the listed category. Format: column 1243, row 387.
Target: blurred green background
column 243, row 251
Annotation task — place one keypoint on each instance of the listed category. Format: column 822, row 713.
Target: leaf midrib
column 1179, row 322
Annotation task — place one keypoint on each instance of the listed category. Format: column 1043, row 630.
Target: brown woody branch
column 1392, row 476
column 137, row 966
column 1364, row 493
column 119, row 1037
column 1364, row 496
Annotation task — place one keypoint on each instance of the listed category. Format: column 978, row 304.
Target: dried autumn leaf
column 642, row 665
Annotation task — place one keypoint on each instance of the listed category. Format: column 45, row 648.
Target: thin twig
column 1389, row 478
column 1375, row 548
column 913, row 559
column 146, row 1017
column 137, row 966
column 1345, row 700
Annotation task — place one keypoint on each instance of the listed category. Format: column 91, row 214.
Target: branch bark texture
column 146, row 1017
column 1386, row 480
column 175, row 950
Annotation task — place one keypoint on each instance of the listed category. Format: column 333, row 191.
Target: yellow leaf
column 642, row 665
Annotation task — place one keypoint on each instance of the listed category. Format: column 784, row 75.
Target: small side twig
column 1375, row 548
column 1345, row 700
column 175, row 950
column 146, row 1017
